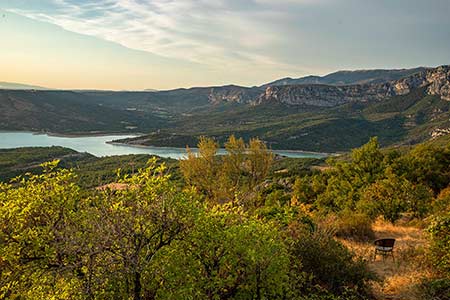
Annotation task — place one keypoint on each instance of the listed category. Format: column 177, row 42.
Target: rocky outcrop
column 439, row 80
column 233, row 93
column 324, row 95
column 436, row 81
column 439, row 132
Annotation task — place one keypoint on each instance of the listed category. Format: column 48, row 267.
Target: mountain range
column 335, row 112
column 349, row 77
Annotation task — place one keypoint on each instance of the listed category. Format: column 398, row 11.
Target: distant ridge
column 349, row 77
column 338, row 78
column 20, row 86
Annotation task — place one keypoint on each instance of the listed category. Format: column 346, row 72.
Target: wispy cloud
column 212, row 32
column 271, row 37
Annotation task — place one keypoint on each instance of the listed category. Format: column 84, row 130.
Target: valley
column 328, row 114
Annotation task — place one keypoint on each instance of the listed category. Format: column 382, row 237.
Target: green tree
column 138, row 223
column 231, row 177
column 425, row 164
column 229, row 256
column 322, row 265
column 392, row 196
column 347, row 179
column 39, row 244
column 202, row 170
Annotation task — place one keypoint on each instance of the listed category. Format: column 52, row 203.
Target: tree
column 139, row 223
column 59, row 243
column 39, row 245
column 394, row 195
column 347, row 179
column 425, row 164
column 229, row 256
column 234, row 176
column 202, row 170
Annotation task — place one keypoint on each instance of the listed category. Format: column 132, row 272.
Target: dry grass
column 399, row 277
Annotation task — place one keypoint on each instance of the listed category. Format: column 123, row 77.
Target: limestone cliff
column 436, row 81
column 233, row 93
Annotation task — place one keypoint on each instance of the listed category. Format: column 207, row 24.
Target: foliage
column 435, row 288
column 347, row 179
column 329, row 264
column 234, row 176
column 392, row 196
column 15, row 162
column 375, row 182
column 99, row 247
column 353, row 225
column 442, row 202
column 91, row 171
column 39, row 243
column 141, row 220
column 426, row 164
column 229, row 256
column 255, row 236
column 440, row 243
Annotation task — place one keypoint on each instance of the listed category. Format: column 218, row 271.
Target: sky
column 165, row 44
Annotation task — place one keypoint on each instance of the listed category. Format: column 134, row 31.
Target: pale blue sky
column 161, row 44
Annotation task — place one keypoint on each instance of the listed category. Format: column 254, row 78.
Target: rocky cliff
column 233, row 93
column 436, row 81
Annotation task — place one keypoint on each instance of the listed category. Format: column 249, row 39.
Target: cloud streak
column 211, row 32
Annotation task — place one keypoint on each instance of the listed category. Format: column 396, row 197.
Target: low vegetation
column 245, row 225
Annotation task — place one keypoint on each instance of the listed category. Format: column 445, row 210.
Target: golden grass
column 399, row 277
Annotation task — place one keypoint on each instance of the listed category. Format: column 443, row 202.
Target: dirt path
column 398, row 277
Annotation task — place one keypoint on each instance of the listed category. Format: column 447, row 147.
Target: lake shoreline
column 102, row 144
column 322, row 154
column 74, row 135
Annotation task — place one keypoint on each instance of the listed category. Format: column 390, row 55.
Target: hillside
column 70, row 112
column 299, row 228
column 323, row 118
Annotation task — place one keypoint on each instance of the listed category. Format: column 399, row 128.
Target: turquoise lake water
column 97, row 145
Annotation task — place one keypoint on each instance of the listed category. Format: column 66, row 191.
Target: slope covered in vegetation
column 246, row 225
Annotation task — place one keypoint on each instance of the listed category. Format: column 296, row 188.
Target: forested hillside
column 245, row 225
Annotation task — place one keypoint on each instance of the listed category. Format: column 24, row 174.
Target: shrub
column 330, row 264
column 440, row 244
column 435, row 289
column 442, row 202
column 353, row 225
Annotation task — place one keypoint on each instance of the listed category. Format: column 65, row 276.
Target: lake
column 98, row 146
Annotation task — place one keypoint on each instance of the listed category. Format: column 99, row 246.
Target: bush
column 435, row 289
column 440, row 244
column 442, row 202
column 353, row 225
column 330, row 265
